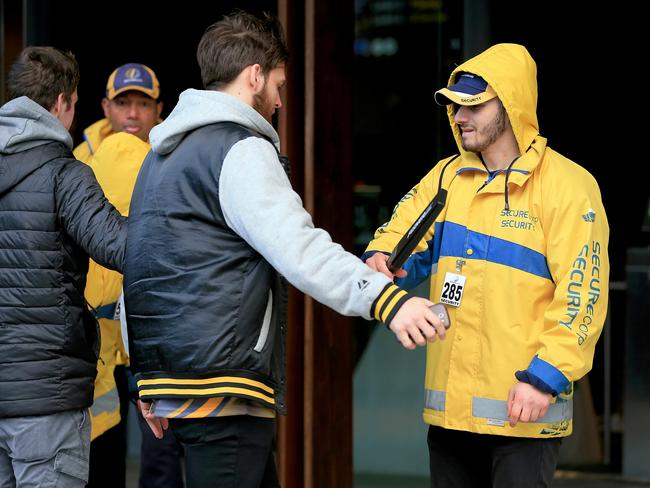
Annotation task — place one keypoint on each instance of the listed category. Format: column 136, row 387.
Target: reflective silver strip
column 106, row 403
column 561, row 411
column 435, row 400
column 266, row 324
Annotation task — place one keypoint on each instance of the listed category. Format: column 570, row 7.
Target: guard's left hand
column 526, row 403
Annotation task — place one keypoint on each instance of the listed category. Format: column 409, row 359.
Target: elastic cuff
column 388, row 303
column 526, row 377
column 544, row 376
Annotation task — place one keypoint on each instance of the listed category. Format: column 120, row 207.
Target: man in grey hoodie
column 214, row 225
column 53, row 215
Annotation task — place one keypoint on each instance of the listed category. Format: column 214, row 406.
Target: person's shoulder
column 566, row 181
column 65, row 164
column 249, row 140
column 449, row 165
column 561, row 169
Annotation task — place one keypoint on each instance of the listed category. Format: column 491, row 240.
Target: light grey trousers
column 46, row 451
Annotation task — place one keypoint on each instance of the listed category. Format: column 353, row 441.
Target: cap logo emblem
column 132, row 75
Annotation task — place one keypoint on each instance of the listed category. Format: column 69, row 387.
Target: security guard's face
column 132, row 112
column 481, row 125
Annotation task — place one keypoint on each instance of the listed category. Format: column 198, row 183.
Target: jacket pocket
column 266, row 324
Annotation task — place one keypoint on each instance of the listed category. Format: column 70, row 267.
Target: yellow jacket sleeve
column 577, row 238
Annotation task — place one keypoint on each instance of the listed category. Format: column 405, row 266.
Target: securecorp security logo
column 518, row 219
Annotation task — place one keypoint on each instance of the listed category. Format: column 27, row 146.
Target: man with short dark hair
column 53, row 215
column 214, row 225
column 519, row 255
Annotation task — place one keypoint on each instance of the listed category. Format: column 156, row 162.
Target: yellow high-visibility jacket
column 116, row 163
column 536, row 289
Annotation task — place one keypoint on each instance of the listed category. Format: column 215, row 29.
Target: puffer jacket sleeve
column 88, row 217
column 577, row 235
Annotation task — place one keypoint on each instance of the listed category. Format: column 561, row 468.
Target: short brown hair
column 237, row 41
column 42, row 73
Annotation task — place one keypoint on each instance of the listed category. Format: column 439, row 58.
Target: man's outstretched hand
column 414, row 324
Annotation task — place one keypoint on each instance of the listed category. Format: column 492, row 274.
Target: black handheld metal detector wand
column 414, row 235
column 417, row 231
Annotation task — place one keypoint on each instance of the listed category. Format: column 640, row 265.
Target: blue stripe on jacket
column 451, row 239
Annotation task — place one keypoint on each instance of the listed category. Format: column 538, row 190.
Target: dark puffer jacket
column 53, row 214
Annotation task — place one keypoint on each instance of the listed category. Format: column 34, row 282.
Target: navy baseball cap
column 469, row 89
column 133, row 76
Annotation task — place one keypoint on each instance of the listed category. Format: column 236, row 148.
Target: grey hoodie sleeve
column 260, row 206
column 88, row 217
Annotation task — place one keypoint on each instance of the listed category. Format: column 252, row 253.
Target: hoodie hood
column 198, row 108
column 30, row 136
column 24, row 125
column 511, row 72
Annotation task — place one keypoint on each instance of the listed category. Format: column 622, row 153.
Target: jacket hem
column 481, row 426
column 242, row 384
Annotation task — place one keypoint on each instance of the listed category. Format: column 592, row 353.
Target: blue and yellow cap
column 133, row 76
column 469, row 89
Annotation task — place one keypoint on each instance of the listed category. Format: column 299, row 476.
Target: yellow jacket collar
column 95, row 134
column 520, row 171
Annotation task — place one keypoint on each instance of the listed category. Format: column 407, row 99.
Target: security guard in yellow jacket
column 116, row 164
column 519, row 257
column 131, row 106
column 115, row 148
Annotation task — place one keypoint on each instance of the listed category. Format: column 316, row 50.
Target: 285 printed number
column 452, row 291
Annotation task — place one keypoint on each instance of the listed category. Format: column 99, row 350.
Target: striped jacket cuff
column 388, row 303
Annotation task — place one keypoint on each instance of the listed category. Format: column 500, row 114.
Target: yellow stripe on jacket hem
column 205, row 381
column 193, row 392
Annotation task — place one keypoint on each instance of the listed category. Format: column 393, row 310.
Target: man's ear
column 159, row 107
column 256, row 78
column 59, row 105
column 105, row 103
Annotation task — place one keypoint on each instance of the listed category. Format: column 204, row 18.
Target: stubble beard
column 262, row 105
column 488, row 134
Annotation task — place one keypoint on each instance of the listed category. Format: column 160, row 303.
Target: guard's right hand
column 415, row 323
column 377, row 262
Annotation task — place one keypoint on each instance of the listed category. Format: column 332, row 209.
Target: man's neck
column 500, row 154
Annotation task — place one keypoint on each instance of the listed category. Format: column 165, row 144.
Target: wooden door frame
column 315, row 438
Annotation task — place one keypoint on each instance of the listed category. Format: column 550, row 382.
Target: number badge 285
column 452, row 289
